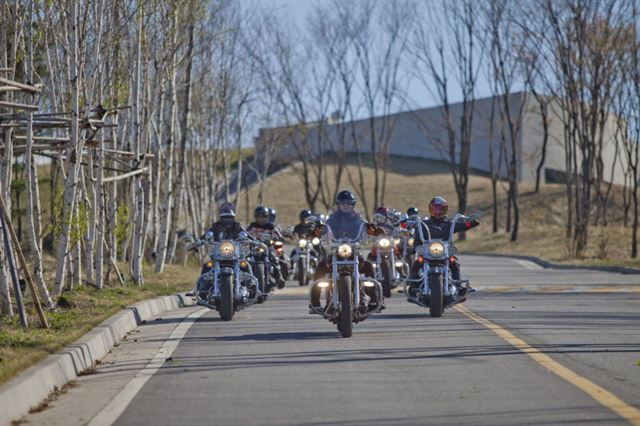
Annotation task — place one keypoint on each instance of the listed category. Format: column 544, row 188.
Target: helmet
column 261, row 211
column 227, row 209
column 304, row 214
column 346, row 196
column 272, row 215
column 412, row 211
column 438, row 207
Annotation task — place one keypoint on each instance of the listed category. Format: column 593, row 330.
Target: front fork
column 236, row 282
column 355, row 285
column 444, row 270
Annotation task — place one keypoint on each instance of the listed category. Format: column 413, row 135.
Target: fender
column 226, row 270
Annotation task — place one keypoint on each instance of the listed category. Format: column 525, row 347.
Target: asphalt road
column 533, row 346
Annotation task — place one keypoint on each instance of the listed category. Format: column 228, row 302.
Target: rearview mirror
column 188, row 238
column 476, row 215
column 242, row 235
column 208, row 236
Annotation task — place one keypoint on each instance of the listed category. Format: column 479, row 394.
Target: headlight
column 227, row 248
column 345, row 250
column 315, row 241
column 410, row 241
column 436, row 249
column 384, row 243
column 302, row 243
column 260, row 250
column 396, row 241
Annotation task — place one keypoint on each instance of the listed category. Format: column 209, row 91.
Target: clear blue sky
column 298, row 10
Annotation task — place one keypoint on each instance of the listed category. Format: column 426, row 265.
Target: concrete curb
column 35, row 384
column 545, row 264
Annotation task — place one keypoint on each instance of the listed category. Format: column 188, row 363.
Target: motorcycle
column 261, row 263
column 388, row 266
column 227, row 283
column 305, row 260
column 437, row 290
column 347, row 292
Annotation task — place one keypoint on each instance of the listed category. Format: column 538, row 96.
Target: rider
column 261, row 224
column 226, row 228
column 439, row 227
column 303, row 229
column 381, row 221
column 343, row 222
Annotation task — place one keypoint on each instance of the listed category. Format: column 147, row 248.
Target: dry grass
column 84, row 308
column 542, row 223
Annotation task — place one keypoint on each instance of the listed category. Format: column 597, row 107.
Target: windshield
column 345, row 227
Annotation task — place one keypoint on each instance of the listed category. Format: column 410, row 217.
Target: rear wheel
column 345, row 326
column 387, row 271
column 225, row 307
column 436, row 301
column 302, row 273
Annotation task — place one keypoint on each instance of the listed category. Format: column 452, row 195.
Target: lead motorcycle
column 438, row 290
column 347, row 292
column 228, row 284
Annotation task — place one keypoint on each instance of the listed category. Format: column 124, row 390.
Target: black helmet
column 272, row 214
column 412, row 211
column 346, row 196
column 261, row 211
column 227, row 209
column 304, row 214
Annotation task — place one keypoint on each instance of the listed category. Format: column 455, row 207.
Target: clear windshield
column 345, row 227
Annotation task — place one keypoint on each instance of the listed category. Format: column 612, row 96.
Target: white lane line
column 529, row 265
column 114, row 409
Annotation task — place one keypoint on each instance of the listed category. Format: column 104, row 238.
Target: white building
column 422, row 134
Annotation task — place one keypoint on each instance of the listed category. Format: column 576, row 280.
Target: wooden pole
column 14, row 275
column 124, row 176
column 26, row 87
column 18, row 106
column 23, row 265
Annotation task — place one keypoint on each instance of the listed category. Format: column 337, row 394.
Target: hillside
column 414, row 182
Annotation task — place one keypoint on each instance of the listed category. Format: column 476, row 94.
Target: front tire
column 436, row 302
column 225, row 307
column 259, row 273
column 386, row 277
column 302, row 273
column 345, row 326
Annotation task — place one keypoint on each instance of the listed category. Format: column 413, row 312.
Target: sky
column 420, row 96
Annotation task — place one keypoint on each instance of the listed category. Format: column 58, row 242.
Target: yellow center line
column 596, row 392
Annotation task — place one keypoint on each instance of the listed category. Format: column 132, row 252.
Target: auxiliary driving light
column 227, row 248
column 315, row 241
column 302, row 243
column 436, row 249
column 368, row 284
column 384, row 243
column 344, row 250
column 410, row 241
column 399, row 264
column 323, row 284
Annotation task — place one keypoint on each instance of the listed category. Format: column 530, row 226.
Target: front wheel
column 345, row 325
column 436, row 301
column 387, row 271
column 302, row 273
column 259, row 273
column 225, row 307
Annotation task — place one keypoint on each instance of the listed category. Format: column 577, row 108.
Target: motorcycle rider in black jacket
column 440, row 226
column 261, row 224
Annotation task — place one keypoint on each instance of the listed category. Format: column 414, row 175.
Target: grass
column 415, row 182
column 78, row 312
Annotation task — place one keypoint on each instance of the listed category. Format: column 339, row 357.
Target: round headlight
column 345, row 250
column 396, row 241
column 436, row 249
column 315, row 241
column 410, row 241
column 384, row 243
column 227, row 248
column 260, row 250
column 302, row 243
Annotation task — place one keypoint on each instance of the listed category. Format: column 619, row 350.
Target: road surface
column 531, row 346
